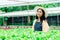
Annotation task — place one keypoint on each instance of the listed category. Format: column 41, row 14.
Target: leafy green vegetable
column 28, row 34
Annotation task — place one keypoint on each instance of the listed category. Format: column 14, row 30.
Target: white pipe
column 31, row 12
column 11, row 3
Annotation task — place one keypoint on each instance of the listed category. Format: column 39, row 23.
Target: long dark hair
column 43, row 15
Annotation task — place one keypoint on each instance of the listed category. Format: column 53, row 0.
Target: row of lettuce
column 28, row 34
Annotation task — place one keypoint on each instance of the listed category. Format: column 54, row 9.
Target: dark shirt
column 38, row 26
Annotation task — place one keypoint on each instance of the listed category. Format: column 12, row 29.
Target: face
column 39, row 13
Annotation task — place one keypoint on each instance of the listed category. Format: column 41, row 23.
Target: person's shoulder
column 44, row 21
column 35, row 20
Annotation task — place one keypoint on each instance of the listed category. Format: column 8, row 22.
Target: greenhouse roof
column 4, row 3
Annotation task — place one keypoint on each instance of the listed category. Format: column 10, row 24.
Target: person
column 40, row 23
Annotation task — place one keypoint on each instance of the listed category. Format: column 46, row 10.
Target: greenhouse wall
column 53, row 19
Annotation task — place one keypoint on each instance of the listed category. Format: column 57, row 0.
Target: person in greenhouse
column 40, row 23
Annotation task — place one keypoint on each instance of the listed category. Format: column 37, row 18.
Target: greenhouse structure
column 23, row 14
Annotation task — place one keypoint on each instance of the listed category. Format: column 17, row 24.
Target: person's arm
column 32, row 27
column 33, row 24
column 45, row 26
